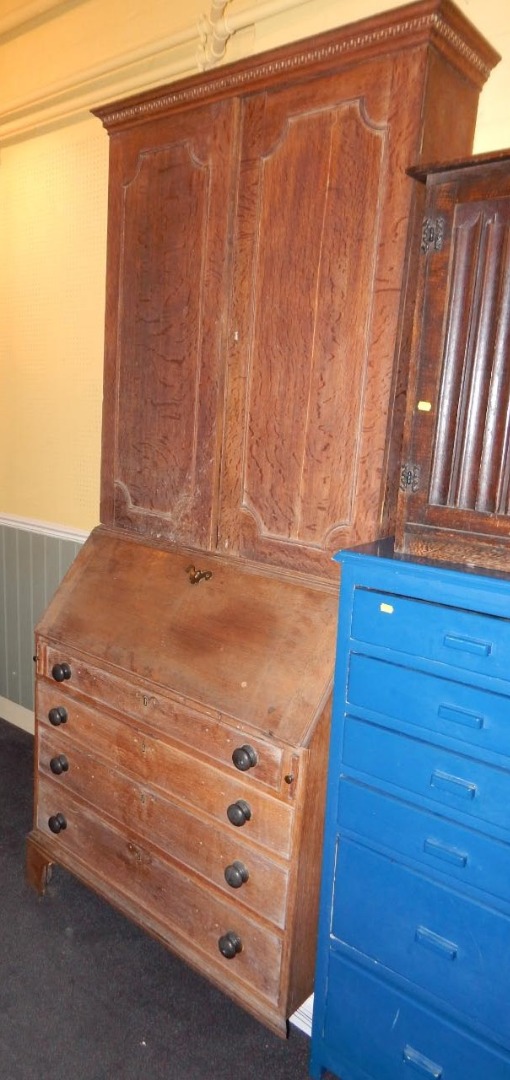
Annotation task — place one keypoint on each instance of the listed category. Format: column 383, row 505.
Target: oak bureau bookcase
column 253, row 406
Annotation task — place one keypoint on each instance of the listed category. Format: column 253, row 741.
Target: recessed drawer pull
column 439, row 944
column 454, row 784
column 421, row 1064
column 458, row 716
column 444, row 852
column 465, row 644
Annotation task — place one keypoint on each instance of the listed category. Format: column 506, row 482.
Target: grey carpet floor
column 86, row 995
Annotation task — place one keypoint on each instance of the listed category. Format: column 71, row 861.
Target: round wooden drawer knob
column 239, row 812
column 57, row 822
column 59, row 764
column 230, row 944
column 61, row 672
column 236, row 874
column 244, row 757
column 57, row 715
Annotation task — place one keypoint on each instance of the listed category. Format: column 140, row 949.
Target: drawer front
column 206, row 789
column 462, row 639
column 477, row 717
column 427, row 933
column 157, row 895
column 206, row 733
column 182, row 835
column 444, row 847
column 449, row 780
column 378, row 1033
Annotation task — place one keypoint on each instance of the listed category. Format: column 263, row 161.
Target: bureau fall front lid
column 212, row 632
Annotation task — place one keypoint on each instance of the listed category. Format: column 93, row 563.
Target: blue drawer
column 462, row 639
column 449, row 945
column 373, row 1032
column 443, row 847
column 467, row 713
column 465, row 786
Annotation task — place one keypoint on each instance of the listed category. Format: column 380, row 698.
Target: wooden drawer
column 161, row 898
column 377, row 1033
column 444, row 847
column 207, row 733
column 182, row 835
column 463, row 785
column 433, row 936
column 461, row 639
column 466, row 713
column 204, row 789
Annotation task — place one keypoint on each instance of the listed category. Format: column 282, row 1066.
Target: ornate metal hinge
column 409, row 478
column 432, row 234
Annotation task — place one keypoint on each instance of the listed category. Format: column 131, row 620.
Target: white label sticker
column 387, row 608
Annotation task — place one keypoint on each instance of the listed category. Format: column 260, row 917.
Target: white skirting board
column 16, row 714
column 302, row 1018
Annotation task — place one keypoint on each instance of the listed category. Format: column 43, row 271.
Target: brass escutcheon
column 197, row 575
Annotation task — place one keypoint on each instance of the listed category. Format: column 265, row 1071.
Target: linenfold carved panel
column 458, row 416
column 471, row 461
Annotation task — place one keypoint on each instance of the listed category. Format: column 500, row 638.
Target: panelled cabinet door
column 167, row 266
column 319, row 247
column 455, row 481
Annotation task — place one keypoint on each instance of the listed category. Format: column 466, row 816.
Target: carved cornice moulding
column 438, row 22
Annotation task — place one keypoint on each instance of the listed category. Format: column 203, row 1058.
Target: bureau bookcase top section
column 256, row 262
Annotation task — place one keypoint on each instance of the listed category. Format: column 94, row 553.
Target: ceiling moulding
column 20, row 14
column 196, row 48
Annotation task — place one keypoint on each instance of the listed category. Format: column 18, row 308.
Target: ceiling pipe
column 220, row 25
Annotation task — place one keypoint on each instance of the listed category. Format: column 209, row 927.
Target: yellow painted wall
column 53, row 189
column 52, row 270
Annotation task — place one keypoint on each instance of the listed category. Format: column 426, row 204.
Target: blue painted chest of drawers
column 413, row 967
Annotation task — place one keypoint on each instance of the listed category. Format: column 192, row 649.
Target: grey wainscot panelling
column 32, row 564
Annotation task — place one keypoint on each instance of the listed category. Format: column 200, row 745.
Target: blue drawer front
column 442, row 846
column 437, row 705
column 451, row 780
column 461, row 639
column 373, row 1031
column 441, row 941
